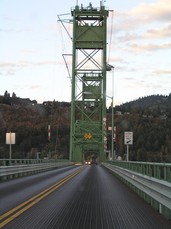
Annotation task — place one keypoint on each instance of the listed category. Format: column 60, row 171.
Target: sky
column 33, row 41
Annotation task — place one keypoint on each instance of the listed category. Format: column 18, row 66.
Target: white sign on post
column 128, row 138
column 10, row 139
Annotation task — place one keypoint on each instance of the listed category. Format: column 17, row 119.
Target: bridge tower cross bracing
column 88, row 103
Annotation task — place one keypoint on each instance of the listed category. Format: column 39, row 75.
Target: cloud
column 117, row 59
column 25, row 63
column 122, row 68
column 163, row 32
column 158, row 11
column 145, row 28
column 137, row 48
column 10, row 68
column 142, row 15
column 33, row 87
column 162, row 72
column 15, row 30
column 28, row 51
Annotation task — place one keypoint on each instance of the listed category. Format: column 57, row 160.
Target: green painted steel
column 160, row 171
column 88, row 103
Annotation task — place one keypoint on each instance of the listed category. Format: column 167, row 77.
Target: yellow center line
column 15, row 212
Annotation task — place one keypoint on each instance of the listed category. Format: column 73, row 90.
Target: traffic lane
column 101, row 201
column 94, row 199
column 14, row 192
column 20, row 209
column 30, row 218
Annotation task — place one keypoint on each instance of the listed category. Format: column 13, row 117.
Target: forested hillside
column 149, row 119
column 30, row 121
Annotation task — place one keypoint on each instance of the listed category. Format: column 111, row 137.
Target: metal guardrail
column 154, row 191
column 160, row 171
column 19, row 170
column 8, row 162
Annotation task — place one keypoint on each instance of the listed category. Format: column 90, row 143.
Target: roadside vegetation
column 149, row 118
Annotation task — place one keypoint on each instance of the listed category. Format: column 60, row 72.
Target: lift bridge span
column 89, row 66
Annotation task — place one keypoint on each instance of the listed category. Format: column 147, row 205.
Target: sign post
column 128, row 140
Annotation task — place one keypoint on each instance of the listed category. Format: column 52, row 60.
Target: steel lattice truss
column 88, row 105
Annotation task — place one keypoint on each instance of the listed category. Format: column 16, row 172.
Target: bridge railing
column 160, row 171
column 18, row 168
column 7, row 162
column 152, row 181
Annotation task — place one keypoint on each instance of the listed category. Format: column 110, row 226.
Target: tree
column 6, row 94
column 14, row 95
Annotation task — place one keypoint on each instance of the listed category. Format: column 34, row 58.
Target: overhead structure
column 88, row 103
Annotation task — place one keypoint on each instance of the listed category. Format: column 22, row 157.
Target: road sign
column 128, row 138
column 10, row 138
column 87, row 136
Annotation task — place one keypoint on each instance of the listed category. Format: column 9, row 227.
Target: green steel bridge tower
column 88, row 103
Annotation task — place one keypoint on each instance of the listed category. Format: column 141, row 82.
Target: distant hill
column 30, row 120
column 149, row 118
column 149, row 104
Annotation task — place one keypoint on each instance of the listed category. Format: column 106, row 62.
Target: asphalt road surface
column 85, row 197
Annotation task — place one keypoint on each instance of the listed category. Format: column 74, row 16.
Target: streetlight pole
column 112, row 132
column 111, row 68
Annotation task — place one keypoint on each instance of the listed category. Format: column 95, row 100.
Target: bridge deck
column 93, row 199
